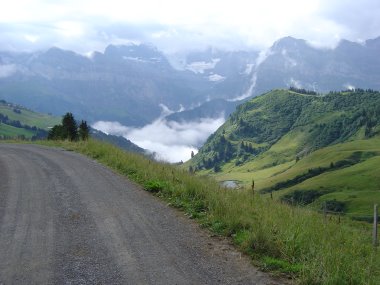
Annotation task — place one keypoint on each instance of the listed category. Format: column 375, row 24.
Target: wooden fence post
column 375, row 216
column 325, row 212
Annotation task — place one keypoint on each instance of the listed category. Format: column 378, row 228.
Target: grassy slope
column 358, row 186
column 10, row 131
column 25, row 117
column 294, row 240
column 28, row 117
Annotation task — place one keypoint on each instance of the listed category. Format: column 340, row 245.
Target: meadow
column 292, row 240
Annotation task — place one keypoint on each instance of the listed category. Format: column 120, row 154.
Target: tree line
column 69, row 130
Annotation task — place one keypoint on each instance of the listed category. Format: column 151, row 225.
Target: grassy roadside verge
column 280, row 238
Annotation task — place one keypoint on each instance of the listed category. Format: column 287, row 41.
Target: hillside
column 119, row 141
column 19, row 122
column 304, row 147
column 124, row 83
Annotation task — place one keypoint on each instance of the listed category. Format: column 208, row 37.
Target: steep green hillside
column 19, row 122
column 303, row 148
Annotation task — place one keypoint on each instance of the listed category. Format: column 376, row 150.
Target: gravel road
column 65, row 219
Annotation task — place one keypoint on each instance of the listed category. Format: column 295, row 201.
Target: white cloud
column 31, row 38
column 216, row 77
column 249, row 68
column 114, row 128
column 70, row 29
column 172, row 141
column 349, row 86
column 172, row 25
column 7, row 70
column 295, row 83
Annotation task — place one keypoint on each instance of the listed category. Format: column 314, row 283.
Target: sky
column 177, row 26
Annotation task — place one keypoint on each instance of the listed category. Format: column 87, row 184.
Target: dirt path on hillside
column 65, row 219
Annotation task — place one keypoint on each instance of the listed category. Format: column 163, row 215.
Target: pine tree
column 70, row 129
column 56, row 133
column 84, row 131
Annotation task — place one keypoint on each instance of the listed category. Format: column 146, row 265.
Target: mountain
column 228, row 70
column 294, row 62
column 303, row 147
column 212, row 109
column 288, row 63
column 129, row 83
column 125, row 83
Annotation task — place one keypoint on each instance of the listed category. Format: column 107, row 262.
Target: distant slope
column 19, row 122
column 119, row 141
column 26, row 116
column 306, row 148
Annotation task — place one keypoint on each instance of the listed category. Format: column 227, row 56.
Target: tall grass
column 279, row 237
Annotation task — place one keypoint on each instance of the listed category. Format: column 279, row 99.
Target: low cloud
column 174, row 26
column 7, row 70
column 170, row 141
column 349, row 86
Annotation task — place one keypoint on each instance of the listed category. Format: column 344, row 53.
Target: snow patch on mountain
column 202, row 66
column 263, row 55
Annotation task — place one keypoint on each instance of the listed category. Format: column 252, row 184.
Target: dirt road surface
column 65, row 219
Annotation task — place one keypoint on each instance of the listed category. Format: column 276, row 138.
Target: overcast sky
column 175, row 25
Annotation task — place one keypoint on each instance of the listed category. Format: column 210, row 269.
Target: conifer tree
column 84, row 131
column 70, row 129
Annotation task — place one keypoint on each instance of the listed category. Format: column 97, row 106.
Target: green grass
column 278, row 237
column 30, row 118
column 358, row 186
column 10, row 131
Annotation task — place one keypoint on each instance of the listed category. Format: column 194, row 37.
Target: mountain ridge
column 128, row 83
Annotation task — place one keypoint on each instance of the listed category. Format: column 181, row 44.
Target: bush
column 154, row 186
column 302, row 197
column 335, row 206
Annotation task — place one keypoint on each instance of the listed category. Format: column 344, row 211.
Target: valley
column 190, row 142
